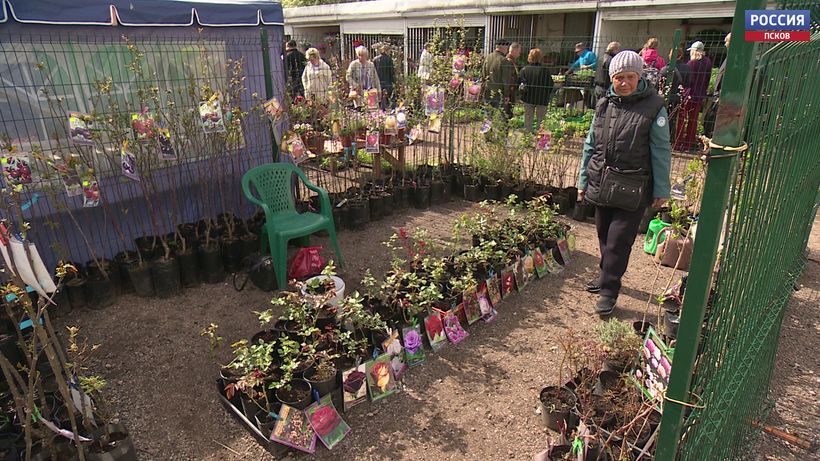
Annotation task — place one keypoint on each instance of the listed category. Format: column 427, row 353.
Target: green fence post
column 268, row 86
column 733, row 104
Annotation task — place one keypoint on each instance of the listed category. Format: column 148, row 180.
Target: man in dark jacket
column 496, row 74
column 602, row 80
column 295, row 63
column 386, row 72
column 628, row 143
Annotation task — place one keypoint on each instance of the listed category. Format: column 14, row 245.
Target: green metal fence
column 730, row 329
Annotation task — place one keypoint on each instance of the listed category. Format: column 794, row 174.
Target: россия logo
column 778, row 25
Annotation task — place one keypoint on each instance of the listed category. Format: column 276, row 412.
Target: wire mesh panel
column 771, row 210
column 112, row 127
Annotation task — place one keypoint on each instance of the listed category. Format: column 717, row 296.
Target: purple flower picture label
column 452, row 327
column 393, row 348
column 413, row 345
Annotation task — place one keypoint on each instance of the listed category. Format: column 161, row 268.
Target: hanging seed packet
column 434, row 327
column 472, row 91
column 273, row 108
column 166, row 147
column 508, row 282
column 519, row 274
column 571, row 242
column 392, row 347
column 80, row 128
column 391, row 125
column 488, row 312
column 143, row 126
column 68, row 174
column 543, row 144
column 529, row 266
column 471, row 309
column 17, row 169
column 455, row 82
column 413, row 348
column 435, row 124
column 493, row 291
column 563, row 248
column 433, row 100
column 487, row 126
column 353, row 386
column 91, row 193
column 540, row 264
column 380, row 380
column 326, row 422
column 452, row 328
column 414, row 134
column 210, row 115
column 128, row 163
column 372, row 142
column 401, row 118
column 293, row 429
column 296, row 149
column 372, row 99
column 459, row 63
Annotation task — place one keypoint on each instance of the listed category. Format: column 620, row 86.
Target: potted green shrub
column 620, row 344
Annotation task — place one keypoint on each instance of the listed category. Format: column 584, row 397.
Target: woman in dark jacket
column 535, row 85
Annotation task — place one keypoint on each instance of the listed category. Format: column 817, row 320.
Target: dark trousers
column 617, row 230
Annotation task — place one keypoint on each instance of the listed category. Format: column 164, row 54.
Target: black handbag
column 624, row 189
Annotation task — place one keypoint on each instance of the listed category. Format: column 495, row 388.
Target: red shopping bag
column 306, row 263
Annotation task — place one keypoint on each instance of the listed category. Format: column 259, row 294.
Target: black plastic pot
column 671, row 322
column 120, row 447
column 472, row 193
column 232, row 254
column 188, row 270
column 299, row 386
column 438, row 192
column 210, row 264
column 100, row 290
column 581, row 211
column 338, row 218
column 250, row 244
column 322, row 387
column 641, row 327
column 76, row 292
column 165, row 273
column 552, row 418
column 421, row 196
column 388, row 199
column 377, row 206
column 492, row 191
column 140, row 276
column 359, row 214
column 124, row 259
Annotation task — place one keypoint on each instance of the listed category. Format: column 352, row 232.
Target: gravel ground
column 472, row 401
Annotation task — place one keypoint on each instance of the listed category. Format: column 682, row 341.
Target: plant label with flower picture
column 540, row 264
column 494, row 291
column 80, row 128
column 453, row 329
column 91, row 193
column 519, row 274
column 433, row 100
column 166, row 147
column 295, row 148
column 380, row 380
column 488, row 313
column 459, row 64
column 563, row 248
column 571, row 242
column 69, row 175
column 413, row 347
column 434, row 326
column 393, row 348
column 470, row 306
column 293, row 429
column 354, row 387
column 455, row 82
column 391, row 125
column 472, row 91
column 17, row 169
column 326, row 422
column 552, row 264
column 372, row 99
column 273, row 108
column 414, row 134
column 128, row 163
column 508, row 281
column 543, row 144
column 143, row 126
column 654, row 367
column 486, row 126
column 401, row 119
column 210, row 115
column 372, row 142
column 435, row 124
column 529, row 266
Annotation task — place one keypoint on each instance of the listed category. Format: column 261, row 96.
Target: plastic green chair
column 273, row 184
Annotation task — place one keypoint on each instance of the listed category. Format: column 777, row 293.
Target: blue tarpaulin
column 143, row 12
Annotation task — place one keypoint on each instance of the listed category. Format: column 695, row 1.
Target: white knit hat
column 626, row 61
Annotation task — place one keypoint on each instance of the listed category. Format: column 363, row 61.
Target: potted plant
column 620, row 344
column 326, row 283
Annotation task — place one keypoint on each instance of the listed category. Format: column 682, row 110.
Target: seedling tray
column 277, row 450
